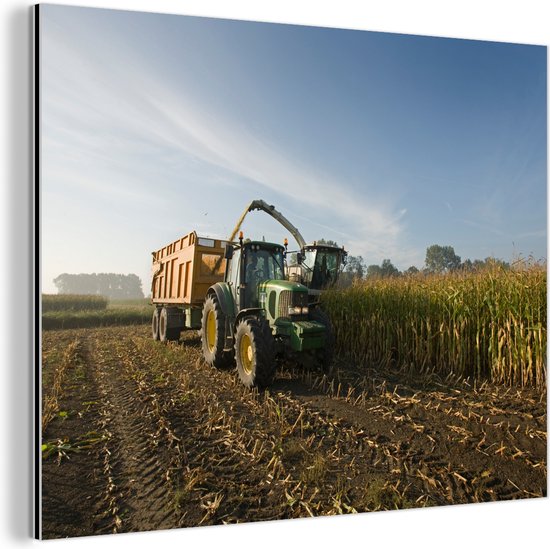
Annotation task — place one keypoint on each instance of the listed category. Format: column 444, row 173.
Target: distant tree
column 386, row 269
column 327, row 242
column 487, row 263
column 441, row 259
column 412, row 270
column 355, row 266
column 493, row 262
column 374, row 271
column 62, row 283
column 354, row 270
column 115, row 286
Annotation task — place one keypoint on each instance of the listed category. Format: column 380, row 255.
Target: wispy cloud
column 542, row 233
column 104, row 113
column 484, row 227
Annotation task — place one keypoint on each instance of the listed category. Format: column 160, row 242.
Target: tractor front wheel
column 255, row 352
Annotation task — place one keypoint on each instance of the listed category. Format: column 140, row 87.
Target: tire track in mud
column 136, row 459
column 222, row 478
column 225, row 448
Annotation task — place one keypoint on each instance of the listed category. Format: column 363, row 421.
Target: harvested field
column 143, row 436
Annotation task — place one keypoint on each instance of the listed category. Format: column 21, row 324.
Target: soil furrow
column 156, row 439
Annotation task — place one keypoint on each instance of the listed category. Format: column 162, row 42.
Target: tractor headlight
column 297, row 311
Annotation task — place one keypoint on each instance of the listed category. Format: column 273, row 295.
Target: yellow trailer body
column 184, row 270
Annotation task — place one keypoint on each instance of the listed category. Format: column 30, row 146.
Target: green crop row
column 90, row 319
column 490, row 324
column 73, row 302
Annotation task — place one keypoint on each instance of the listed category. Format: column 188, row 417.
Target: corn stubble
column 490, row 324
column 156, row 439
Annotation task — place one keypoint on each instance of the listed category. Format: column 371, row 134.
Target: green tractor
column 255, row 316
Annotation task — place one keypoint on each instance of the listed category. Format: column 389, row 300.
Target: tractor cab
column 321, row 265
column 248, row 265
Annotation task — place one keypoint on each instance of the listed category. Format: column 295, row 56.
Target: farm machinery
column 247, row 312
column 318, row 265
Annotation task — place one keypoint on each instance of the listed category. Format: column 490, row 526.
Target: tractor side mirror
column 299, row 258
column 228, row 252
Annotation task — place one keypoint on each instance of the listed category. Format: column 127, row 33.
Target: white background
column 507, row 524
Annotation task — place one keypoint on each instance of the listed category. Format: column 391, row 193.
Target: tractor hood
column 281, row 285
column 282, row 299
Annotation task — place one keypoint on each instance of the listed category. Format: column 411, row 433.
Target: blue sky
column 156, row 125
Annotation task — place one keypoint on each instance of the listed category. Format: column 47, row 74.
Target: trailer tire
column 213, row 334
column 169, row 324
column 325, row 356
column 255, row 352
column 155, row 324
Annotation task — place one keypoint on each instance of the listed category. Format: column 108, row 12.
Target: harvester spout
column 278, row 216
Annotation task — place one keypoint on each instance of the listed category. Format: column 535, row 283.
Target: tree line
column 439, row 259
column 111, row 285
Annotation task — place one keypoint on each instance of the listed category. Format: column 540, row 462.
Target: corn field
column 88, row 311
column 73, row 302
column 490, row 324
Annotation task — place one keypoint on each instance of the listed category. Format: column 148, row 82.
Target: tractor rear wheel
column 325, row 356
column 255, row 352
column 213, row 334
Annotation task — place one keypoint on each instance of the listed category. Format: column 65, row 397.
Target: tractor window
column 232, row 274
column 261, row 265
column 264, row 265
column 321, row 267
column 308, row 263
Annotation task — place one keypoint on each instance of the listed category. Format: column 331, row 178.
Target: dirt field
column 143, row 436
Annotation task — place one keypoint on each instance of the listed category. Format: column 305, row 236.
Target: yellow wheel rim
column 211, row 330
column 246, row 353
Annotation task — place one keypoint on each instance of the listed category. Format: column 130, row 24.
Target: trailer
column 182, row 273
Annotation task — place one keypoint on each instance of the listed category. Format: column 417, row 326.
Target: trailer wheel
column 169, row 324
column 155, row 324
column 325, row 356
column 213, row 334
column 255, row 352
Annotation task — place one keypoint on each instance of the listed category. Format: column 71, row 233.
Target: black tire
column 324, row 356
column 255, row 352
column 169, row 324
column 213, row 334
column 155, row 324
